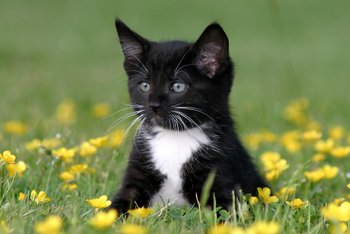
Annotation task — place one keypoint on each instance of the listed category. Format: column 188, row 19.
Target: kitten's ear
column 133, row 45
column 211, row 50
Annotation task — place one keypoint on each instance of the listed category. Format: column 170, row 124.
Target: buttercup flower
column 69, row 186
column 273, row 164
column 141, row 212
column 253, row 140
column 253, row 200
column 338, row 213
column 324, row 146
column 326, row 172
column 103, row 220
column 296, row 203
column 15, row 128
column 50, row 143
column 348, row 186
column 116, row 138
column 336, row 132
column 132, row 229
column 264, row 195
column 340, row 152
column 311, row 136
column 87, row 149
column 284, row 192
column 40, row 197
column 318, row 157
column 51, row 225
column 21, row 196
column 99, row 142
column 78, row 168
column 66, row 176
column 18, row 168
column 7, row 157
column 101, row 202
column 261, row 227
column 65, row 112
column 64, row 154
column 4, row 228
column 290, row 141
column 33, row 145
column 224, row 229
column 330, row 172
column 101, row 110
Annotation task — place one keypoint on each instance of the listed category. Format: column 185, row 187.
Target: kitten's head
column 176, row 84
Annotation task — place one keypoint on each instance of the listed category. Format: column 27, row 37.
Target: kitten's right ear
column 133, row 45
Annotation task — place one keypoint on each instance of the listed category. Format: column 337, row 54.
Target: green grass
column 52, row 51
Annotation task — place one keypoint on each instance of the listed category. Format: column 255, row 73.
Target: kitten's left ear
column 211, row 50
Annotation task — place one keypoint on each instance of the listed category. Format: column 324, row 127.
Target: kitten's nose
column 155, row 106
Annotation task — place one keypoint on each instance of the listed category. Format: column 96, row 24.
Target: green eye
column 144, row 86
column 178, row 87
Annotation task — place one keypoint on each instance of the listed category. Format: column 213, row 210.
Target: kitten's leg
column 139, row 185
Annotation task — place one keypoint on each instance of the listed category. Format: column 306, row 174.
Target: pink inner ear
column 208, row 60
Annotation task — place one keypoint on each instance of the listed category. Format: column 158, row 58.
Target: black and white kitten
column 180, row 92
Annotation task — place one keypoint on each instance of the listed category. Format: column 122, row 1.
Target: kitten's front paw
column 121, row 206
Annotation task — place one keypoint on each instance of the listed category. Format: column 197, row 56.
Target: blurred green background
column 54, row 50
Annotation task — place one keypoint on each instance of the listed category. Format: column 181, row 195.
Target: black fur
column 206, row 70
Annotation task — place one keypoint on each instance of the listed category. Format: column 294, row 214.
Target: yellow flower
column 65, row 112
column 78, row 168
column 87, row 149
column 273, row 164
column 318, row 157
column 132, row 229
column 69, row 187
column 336, row 132
column 101, row 110
column 297, row 203
column 348, row 186
column 290, row 141
column 7, row 157
column 4, row 228
column 261, row 227
column 330, row 172
column 295, row 112
column 66, row 176
column 21, row 196
column 141, row 212
column 103, row 220
column 18, row 168
column 340, row 152
column 337, row 212
column 116, row 138
column 324, row 146
column 64, row 154
column 224, row 229
column 15, row 128
column 50, row 143
column 284, row 192
column 338, row 228
column 326, row 172
column 253, row 200
column 311, row 136
column 253, row 140
column 40, row 197
column 33, row 145
column 51, row 225
column 100, row 202
column 264, row 195
column 99, row 142
column 314, row 176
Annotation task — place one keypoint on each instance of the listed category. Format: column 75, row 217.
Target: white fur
column 170, row 151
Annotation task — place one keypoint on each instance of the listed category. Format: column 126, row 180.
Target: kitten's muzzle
column 155, row 106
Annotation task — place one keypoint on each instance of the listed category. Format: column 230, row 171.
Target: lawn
column 63, row 90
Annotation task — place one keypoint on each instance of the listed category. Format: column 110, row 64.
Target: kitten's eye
column 178, row 87
column 144, row 86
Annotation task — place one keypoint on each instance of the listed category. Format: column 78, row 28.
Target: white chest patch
column 170, row 151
